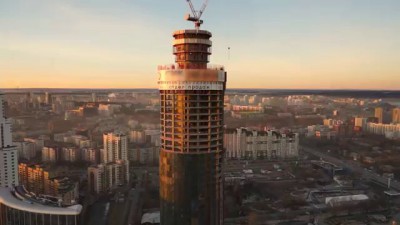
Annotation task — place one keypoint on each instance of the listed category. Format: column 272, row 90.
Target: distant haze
column 341, row 44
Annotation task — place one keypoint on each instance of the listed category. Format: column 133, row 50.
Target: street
column 366, row 174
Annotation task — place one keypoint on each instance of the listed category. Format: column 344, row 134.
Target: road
column 136, row 201
column 98, row 213
column 370, row 175
column 135, row 206
column 239, row 165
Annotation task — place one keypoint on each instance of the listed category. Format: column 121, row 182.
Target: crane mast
column 196, row 14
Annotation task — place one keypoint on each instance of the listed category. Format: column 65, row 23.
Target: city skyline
column 274, row 44
column 305, row 130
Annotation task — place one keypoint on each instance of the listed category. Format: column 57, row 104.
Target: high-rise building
column 48, row 98
column 50, row 154
column 26, row 150
column 396, row 115
column 33, row 177
column 144, row 154
column 38, row 142
column 115, row 147
column 137, row 136
column 70, row 154
column 114, row 168
column 96, row 178
column 38, row 180
column 105, row 177
column 360, row 122
column 379, row 114
column 90, row 155
column 384, row 114
column 192, row 117
column 94, row 97
column 8, row 152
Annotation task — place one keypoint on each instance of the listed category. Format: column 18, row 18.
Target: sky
column 288, row 44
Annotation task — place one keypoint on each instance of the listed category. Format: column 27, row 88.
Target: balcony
column 189, row 48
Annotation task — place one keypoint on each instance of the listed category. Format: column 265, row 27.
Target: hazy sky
column 274, row 43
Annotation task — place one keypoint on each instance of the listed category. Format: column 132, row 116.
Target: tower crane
column 196, row 14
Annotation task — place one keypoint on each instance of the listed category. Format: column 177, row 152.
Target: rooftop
column 192, row 32
column 151, row 218
column 19, row 198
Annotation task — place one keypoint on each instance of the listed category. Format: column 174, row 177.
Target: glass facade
column 191, row 188
column 192, row 117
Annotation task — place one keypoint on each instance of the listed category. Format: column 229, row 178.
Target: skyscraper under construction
column 192, row 116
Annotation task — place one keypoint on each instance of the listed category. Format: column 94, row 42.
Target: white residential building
column 144, row 155
column 391, row 131
column 26, row 150
column 96, row 178
column 243, row 143
column 90, row 155
column 49, row 154
column 114, row 168
column 105, row 177
column 8, row 152
column 38, row 142
column 137, row 136
column 78, row 140
column 115, row 147
column 70, row 154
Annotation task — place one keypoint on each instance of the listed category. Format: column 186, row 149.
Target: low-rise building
column 247, row 108
column 321, row 132
column 332, row 122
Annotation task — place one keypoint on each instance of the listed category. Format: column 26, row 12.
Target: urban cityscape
column 191, row 149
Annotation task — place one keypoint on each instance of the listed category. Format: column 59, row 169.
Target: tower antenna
column 196, row 14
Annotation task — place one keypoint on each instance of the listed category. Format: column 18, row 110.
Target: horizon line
column 283, row 89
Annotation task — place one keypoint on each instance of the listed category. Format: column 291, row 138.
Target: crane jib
column 196, row 14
